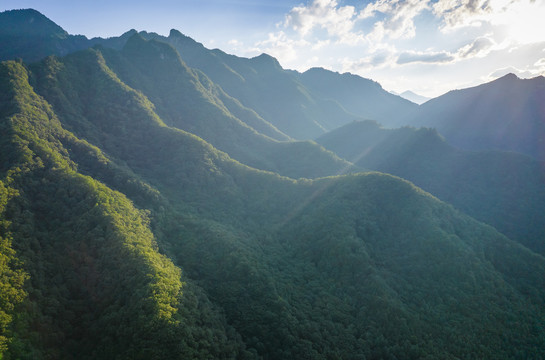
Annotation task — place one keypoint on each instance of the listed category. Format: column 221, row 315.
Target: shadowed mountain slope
column 356, row 266
column 97, row 286
column 505, row 190
column 123, row 235
column 261, row 84
column 185, row 99
column 29, row 35
column 363, row 97
column 505, row 114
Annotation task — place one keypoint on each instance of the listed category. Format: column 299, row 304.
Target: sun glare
column 524, row 21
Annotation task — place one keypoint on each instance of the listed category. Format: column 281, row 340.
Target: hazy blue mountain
column 505, row 114
column 414, row 97
column 31, row 36
column 261, row 83
column 187, row 100
column 157, row 55
column 503, row 189
column 308, row 109
column 360, row 96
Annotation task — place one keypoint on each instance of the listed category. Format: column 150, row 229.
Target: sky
column 428, row 46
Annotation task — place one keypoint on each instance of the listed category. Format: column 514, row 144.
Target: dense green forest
column 147, row 213
column 503, row 189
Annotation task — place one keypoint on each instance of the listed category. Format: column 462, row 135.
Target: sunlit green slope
column 177, row 93
column 355, row 267
column 96, row 287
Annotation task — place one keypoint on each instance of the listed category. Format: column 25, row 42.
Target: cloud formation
column 478, row 48
column 398, row 19
column 511, row 70
column 338, row 21
column 459, row 13
column 412, row 38
column 423, row 57
column 379, row 59
column 280, row 45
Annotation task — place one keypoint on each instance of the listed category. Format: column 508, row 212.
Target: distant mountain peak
column 135, row 38
column 129, row 33
column 414, row 97
column 137, row 45
column 29, row 22
column 266, row 59
column 335, row 74
column 177, row 34
column 510, row 76
column 318, row 69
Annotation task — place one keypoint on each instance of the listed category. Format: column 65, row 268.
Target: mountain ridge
column 503, row 189
column 341, row 233
column 127, row 236
column 505, row 114
column 414, row 97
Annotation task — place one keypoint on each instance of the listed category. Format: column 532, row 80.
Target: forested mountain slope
column 503, row 189
column 185, row 99
column 313, row 102
column 258, row 91
column 359, row 266
column 125, row 233
column 96, row 287
column 262, row 84
column 505, row 114
column 360, row 96
column 29, row 35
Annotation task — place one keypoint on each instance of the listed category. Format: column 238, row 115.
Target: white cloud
column 511, row 70
column 520, row 20
column 478, row 48
column 320, row 44
column 540, row 63
column 380, row 59
column 441, row 57
column 281, row 46
column 399, row 18
column 337, row 21
column 459, row 13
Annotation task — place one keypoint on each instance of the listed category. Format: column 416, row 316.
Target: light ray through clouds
column 427, row 46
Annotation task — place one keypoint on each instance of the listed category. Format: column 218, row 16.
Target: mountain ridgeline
column 503, row 189
column 157, row 201
column 506, row 114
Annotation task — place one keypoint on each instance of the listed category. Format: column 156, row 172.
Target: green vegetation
column 505, row 190
column 360, row 266
column 125, row 234
column 261, row 84
column 98, row 287
column 178, row 95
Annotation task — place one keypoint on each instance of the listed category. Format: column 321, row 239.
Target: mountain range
column 159, row 200
column 505, row 114
column 414, row 97
column 503, row 189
